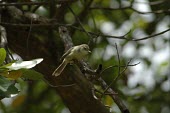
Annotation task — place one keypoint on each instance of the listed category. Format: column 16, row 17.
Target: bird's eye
column 85, row 48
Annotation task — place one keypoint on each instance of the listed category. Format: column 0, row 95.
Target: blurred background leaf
column 2, row 55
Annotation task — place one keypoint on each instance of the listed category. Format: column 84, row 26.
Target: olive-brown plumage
column 75, row 53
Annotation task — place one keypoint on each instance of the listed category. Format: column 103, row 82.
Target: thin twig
column 116, row 78
column 28, row 37
column 107, row 93
column 100, row 34
column 123, row 36
column 92, row 33
column 122, row 66
column 152, row 3
column 35, row 25
column 122, row 71
column 24, row 3
column 95, row 28
column 130, row 7
column 151, row 36
column 34, row 3
column 155, row 12
column 81, row 25
column 118, row 59
column 116, row 98
column 108, row 8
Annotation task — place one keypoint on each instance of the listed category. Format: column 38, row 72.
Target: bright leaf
column 2, row 55
column 24, row 64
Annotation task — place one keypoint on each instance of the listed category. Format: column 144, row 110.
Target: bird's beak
column 89, row 52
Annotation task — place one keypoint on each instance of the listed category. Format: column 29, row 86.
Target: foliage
column 13, row 71
column 144, row 88
column 2, row 55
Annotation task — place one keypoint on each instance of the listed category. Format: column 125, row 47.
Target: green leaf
column 3, row 70
column 24, row 64
column 165, row 63
column 7, row 87
column 2, row 55
column 4, row 83
column 12, row 90
column 31, row 74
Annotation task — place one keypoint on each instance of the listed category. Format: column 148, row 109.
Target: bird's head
column 85, row 49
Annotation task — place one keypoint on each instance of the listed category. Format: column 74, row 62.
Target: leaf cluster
column 11, row 72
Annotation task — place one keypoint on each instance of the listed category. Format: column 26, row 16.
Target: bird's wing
column 66, row 53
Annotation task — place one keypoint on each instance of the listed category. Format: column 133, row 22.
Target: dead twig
column 116, row 78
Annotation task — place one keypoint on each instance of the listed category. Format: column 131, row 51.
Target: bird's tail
column 60, row 68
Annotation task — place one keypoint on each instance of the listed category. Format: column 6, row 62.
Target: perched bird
column 75, row 53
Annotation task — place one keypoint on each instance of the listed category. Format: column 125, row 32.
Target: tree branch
column 34, row 3
column 151, row 36
column 130, row 7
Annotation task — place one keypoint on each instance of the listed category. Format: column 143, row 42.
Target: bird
column 78, row 52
